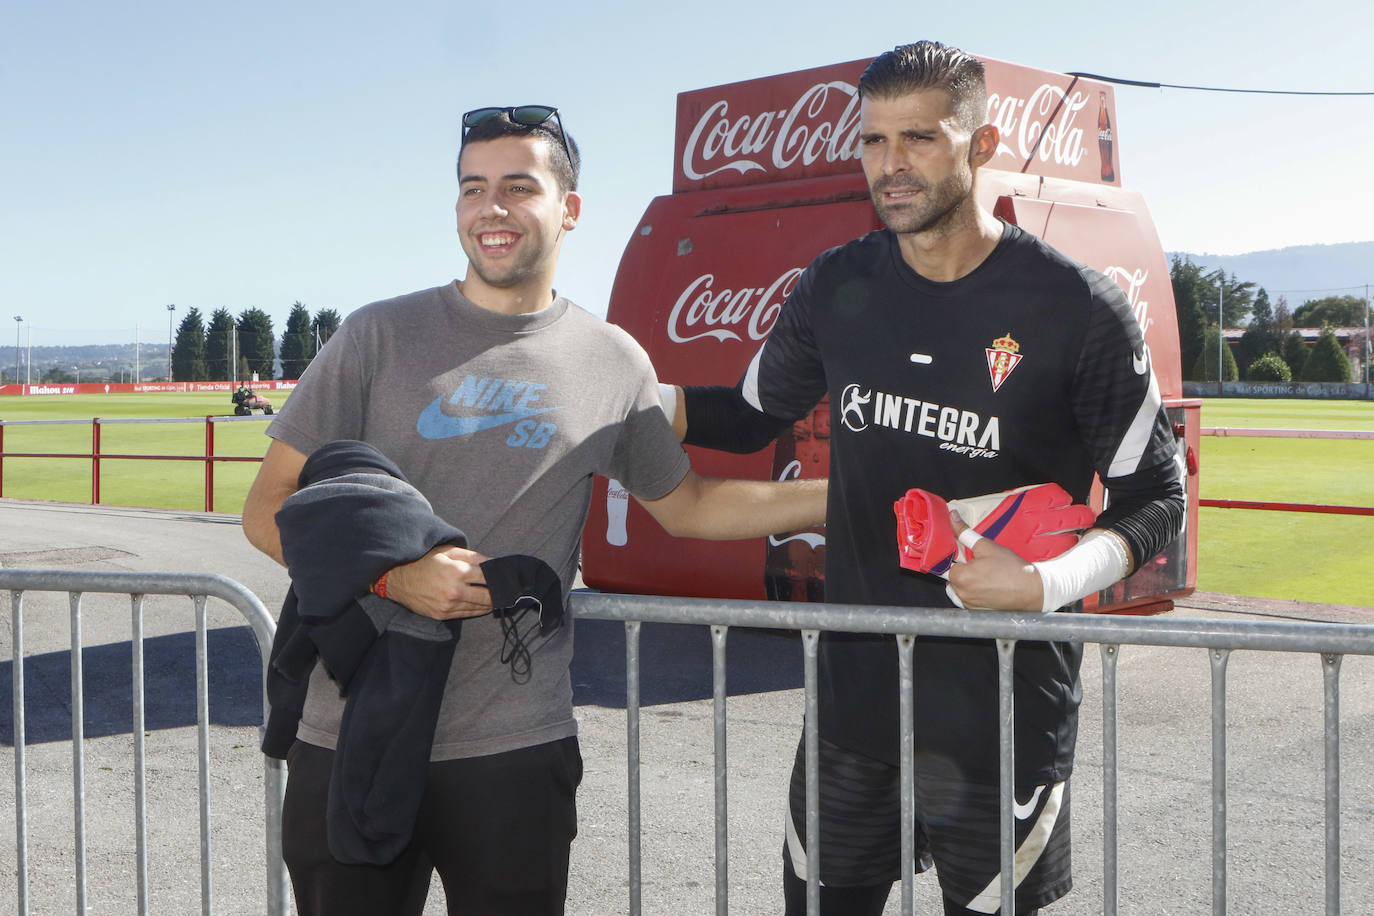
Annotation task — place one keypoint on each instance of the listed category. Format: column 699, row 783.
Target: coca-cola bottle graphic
column 617, row 508
column 1104, row 138
column 794, row 569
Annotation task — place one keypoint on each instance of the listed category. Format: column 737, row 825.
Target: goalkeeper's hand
column 991, row 576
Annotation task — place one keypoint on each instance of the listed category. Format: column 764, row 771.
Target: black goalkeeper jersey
column 1031, row 368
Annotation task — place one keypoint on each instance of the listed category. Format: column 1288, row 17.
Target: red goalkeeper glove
column 1035, row 522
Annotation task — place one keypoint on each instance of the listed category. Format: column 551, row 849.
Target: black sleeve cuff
column 718, row 417
column 1146, row 509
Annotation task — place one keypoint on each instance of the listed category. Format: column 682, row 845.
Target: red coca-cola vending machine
column 766, row 175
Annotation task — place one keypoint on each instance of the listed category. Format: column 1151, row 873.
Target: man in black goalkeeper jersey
column 965, row 357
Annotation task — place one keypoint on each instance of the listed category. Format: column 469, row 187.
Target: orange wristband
column 378, row 588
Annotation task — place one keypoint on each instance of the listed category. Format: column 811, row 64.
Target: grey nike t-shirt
column 501, row 421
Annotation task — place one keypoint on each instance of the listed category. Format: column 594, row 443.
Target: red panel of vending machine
column 766, row 176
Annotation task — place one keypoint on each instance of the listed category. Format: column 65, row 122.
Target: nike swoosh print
column 1024, row 811
column 435, row 424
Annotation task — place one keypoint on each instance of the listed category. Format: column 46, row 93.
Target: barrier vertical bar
column 78, row 752
column 1110, row 652
column 140, row 754
column 2, row 457
column 1331, row 672
column 21, row 814
column 906, row 684
column 203, row 736
column 632, row 628
column 278, row 883
column 1006, row 711
column 718, row 637
column 1219, row 659
column 811, row 738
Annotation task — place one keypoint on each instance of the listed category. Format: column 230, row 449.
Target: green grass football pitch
column 1291, row 555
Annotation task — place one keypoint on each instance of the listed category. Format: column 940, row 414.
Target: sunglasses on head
column 528, row 115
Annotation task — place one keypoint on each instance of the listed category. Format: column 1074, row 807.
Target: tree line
column 1270, row 349
column 235, row 348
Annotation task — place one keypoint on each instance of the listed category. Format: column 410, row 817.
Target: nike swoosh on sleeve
column 433, row 423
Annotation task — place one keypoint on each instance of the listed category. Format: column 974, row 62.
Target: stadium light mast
column 1221, row 328
column 1366, row 339
column 170, row 310
column 18, row 323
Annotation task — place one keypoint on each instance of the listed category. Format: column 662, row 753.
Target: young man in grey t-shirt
column 498, row 400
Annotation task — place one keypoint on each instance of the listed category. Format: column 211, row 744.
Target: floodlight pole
column 1366, row 339
column 1221, row 327
column 18, row 323
column 170, row 310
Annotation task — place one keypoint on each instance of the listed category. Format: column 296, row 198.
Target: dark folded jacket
column 354, row 517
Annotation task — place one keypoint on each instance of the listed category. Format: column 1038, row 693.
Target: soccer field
column 1266, row 554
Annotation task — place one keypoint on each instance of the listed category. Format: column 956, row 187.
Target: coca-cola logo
column 809, row 538
column 728, row 314
column 1133, row 282
column 823, row 123
column 1027, row 130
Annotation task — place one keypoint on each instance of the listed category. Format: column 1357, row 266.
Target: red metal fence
column 96, row 455
column 210, row 459
column 1224, row 431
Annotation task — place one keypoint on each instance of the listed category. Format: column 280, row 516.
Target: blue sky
column 256, row 154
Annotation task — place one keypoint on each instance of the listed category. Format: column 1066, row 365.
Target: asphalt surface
column 1274, row 740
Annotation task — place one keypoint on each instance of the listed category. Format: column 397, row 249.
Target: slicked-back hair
column 930, row 65
column 566, row 166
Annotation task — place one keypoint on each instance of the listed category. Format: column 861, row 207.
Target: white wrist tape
column 1100, row 559
column 667, row 396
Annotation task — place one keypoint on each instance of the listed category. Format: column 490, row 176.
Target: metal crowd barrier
column 1330, row 641
column 199, row 587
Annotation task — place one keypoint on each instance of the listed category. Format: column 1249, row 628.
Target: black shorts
column 497, row 829
column 957, row 829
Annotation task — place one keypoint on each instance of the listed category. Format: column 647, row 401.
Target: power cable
column 1153, row 85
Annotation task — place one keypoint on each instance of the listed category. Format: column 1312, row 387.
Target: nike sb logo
column 488, row 403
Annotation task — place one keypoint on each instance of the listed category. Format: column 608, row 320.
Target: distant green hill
column 1299, row 272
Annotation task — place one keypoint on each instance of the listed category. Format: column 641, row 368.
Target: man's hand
column 994, row 577
column 445, row 584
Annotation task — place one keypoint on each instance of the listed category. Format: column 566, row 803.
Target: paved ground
column 1274, row 741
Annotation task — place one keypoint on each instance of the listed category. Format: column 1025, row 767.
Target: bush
column 1294, row 353
column 1327, row 362
column 1269, row 368
column 1205, row 370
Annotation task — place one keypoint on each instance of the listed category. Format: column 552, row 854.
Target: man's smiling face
column 511, row 213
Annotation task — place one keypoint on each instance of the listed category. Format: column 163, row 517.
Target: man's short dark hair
column 930, row 65
column 566, row 165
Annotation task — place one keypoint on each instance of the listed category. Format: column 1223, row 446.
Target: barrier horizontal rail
column 1271, row 635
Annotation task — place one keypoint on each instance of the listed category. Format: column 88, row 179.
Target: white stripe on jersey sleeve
column 1137, row 438
column 751, row 382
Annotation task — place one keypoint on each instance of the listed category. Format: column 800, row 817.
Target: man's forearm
column 724, row 509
